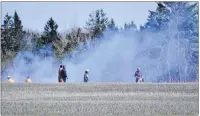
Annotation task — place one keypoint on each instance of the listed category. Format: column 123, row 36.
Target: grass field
column 100, row 99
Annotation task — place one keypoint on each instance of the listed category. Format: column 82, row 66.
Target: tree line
column 183, row 16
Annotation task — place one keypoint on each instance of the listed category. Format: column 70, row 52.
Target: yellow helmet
column 87, row 70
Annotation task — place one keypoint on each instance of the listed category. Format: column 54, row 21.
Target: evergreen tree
column 12, row 38
column 162, row 17
column 50, row 33
column 151, row 24
column 17, row 22
column 97, row 23
column 6, row 30
column 130, row 27
column 157, row 20
column 12, row 34
column 185, row 17
column 112, row 26
column 177, row 20
column 18, row 33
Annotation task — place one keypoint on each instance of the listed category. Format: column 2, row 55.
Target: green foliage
column 112, row 25
column 12, row 38
column 6, row 32
column 180, row 16
column 182, row 19
column 18, row 33
column 12, row 35
column 130, row 26
column 50, row 33
column 97, row 23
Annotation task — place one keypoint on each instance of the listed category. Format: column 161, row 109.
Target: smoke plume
column 113, row 59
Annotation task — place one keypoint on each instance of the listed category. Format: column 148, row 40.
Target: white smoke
column 113, row 59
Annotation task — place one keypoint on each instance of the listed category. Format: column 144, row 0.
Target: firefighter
column 64, row 74
column 138, row 76
column 60, row 73
column 28, row 80
column 10, row 80
column 86, row 75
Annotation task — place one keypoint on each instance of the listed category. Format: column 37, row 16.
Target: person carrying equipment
column 28, row 80
column 138, row 76
column 10, row 80
column 86, row 75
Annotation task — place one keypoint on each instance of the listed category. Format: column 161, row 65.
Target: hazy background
column 162, row 52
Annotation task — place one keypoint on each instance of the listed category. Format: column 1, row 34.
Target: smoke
column 113, row 59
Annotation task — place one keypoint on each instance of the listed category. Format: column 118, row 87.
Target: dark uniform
column 85, row 77
column 138, row 74
column 64, row 74
column 60, row 73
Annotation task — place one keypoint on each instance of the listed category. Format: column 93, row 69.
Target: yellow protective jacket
column 11, row 81
column 28, row 81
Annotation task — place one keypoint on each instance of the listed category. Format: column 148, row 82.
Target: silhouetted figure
column 86, row 75
column 28, row 80
column 64, row 74
column 138, row 76
column 10, row 80
column 60, row 74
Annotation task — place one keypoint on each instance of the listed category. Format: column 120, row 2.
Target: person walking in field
column 10, row 80
column 86, row 77
column 28, row 80
column 60, row 79
column 138, row 76
column 64, row 74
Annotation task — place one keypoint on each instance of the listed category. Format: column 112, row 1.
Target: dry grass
column 100, row 99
